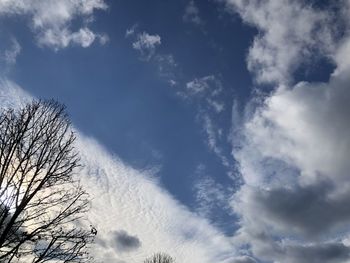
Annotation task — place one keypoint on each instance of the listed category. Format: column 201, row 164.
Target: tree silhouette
column 40, row 201
column 160, row 258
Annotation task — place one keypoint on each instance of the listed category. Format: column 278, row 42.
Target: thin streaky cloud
column 125, row 198
column 11, row 54
column 192, row 14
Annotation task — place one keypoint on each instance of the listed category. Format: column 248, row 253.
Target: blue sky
column 216, row 131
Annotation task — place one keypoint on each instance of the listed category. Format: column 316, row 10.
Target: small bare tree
column 160, row 258
column 40, row 201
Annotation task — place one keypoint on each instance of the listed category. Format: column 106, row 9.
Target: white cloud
column 214, row 138
column 129, row 202
column 127, row 199
column 84, row 37
column 51, row 20
column 217, row 106
column 207, row 85
column 342, row 57
column 131, row 31
column 207, row 92
column 192, row 14
column 210, row 195
column 289, row 33
column 10, row 55
column 103, row 38
column 146, row 44
column 11, row 95
column 197, row 86
column 293, row 148
column 166, row 65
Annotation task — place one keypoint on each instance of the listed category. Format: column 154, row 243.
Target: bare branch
column 160, row 258
column 40, row 200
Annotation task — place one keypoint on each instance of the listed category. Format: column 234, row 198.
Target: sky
column 212, row 130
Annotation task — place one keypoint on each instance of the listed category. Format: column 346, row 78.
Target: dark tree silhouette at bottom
column 160, row 258
column 41, row 203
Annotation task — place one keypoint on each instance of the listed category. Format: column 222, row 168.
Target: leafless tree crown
column 40, row 201
column 160, row 258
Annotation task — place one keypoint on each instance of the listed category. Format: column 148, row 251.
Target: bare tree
column 160, row 258
column 41, row 203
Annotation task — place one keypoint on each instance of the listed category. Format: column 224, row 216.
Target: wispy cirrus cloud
column 210, row 195
column 146, row 41
column 51, row 21
column 205, row 93
column 208, row 92
column 143, row 42
column 128, row 199
column 134, row 215
column 10, row 55
column 191, row 14
column 147, row 46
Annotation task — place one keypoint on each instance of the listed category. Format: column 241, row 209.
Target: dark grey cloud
column 125, row 242
column 101, row 242
column 312, row 210
column 326, row 253
column 271, row 249
column 244, row 259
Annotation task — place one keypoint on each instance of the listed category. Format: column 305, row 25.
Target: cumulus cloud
column 294, row 161
column 328, row 252
column 289, row 33
column 128, row 199
column 293, row 146
column 51, row 20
